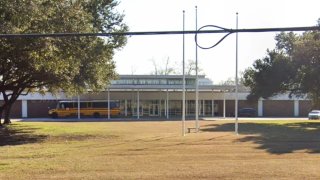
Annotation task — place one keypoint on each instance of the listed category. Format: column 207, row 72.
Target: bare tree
column 167, row 69
column 231, row 81
column 191, row 68
column 160, row 70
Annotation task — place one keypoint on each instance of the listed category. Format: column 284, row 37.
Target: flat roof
column 159, row 76
column 151, row 87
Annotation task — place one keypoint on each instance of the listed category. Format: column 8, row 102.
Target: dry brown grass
column 156, row 150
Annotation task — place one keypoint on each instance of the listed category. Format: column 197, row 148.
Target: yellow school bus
column 87, row 108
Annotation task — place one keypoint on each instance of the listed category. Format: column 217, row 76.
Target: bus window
column 64, row 105
column 88, row 108
column 100, row 104
column 83, row 105
column 112, row 105
column 68, row 104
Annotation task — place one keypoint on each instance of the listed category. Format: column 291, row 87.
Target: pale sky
column 218, row 63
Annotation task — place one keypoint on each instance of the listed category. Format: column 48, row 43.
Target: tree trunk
column 7, row 114
column 1, row 110
column 9, row 99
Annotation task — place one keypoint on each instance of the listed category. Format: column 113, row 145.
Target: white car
column 314, row 114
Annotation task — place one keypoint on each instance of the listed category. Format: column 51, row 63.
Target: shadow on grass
column 276, row 138
column 18, row 135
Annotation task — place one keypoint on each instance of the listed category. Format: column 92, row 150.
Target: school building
column 141, row 96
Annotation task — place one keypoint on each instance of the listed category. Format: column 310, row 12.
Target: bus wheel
column 96, row 115
column 54, row 115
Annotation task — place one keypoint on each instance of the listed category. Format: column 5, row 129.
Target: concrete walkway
column 151, row 119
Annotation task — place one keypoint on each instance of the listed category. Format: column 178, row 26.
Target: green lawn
column 156, row 150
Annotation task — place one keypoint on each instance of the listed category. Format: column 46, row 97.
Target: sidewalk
column 118, row 119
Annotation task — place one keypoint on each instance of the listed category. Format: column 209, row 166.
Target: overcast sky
column 218, row 63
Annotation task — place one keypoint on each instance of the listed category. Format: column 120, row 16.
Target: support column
column 79, row 107
column 212, row 104
column 159, row 107
column 133, row 102
column 212, row 108
column 24, row 104
column 186, row 108
column 296, row 108
column 142, row 110
column 260, row 107
column 204, row 107
column 138, row 104
column 199, row 108
column 165, row 108
column 224, row 105
column 167, row 104
column 126, row 107
column 108, row 103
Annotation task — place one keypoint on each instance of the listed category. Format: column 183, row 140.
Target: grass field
column 156, row 150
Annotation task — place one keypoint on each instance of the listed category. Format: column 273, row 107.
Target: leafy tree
column 269, row 76
column 71, row 64
column 306, row 57
column 294, row 67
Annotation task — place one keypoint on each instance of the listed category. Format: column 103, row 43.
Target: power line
column 200, row 31
column 231, row 31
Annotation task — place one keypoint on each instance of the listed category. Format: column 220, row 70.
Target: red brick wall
column 39, row 108
column 304, row 108
column 230, row 108
column 278, row 108
column 248, row 104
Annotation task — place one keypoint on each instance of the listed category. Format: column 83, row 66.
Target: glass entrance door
column 153, row 109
